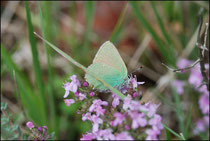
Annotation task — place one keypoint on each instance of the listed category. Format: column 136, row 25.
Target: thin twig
column 200, row 50
column 182, row 69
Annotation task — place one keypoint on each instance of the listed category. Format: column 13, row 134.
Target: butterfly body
column 108, row 66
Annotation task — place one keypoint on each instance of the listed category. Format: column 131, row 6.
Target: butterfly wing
column 107, row 65
column 108, row 74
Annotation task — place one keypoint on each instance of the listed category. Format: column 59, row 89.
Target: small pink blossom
column 96, row 121
column 183, row 63
column 127, row 103
column 97, row 107
column 86, row 116
column 138, row 119
column 200, row 126
column 151, row 134
column 156, row 121
column 119, row 118
column 71, row 86
column 30, row 124
column 91, row 93
column 88, row 136
column 135, row 94
column 85, row 84
column 82, row 96
column 105, row 134
column 134, row 82
column 179, row 85
column 204, row 103
column 123, row 136
column 116, row 100
column 68, row 102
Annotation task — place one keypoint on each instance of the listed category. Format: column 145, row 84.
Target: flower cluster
column 117, row 119
column 196, row 79
column 38, row 133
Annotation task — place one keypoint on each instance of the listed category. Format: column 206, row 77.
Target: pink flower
column 96, row 121
column 86, row 116
column 68, row 102
column 71, row 86
column 105, row 134
column 135, row 94
column 134, row 82
column 119, row 118
column 85, row 84
column 183, row 63
column 30, row 124
column 127, row 127
column 97, row 107
column 91, row 93
column 39, row 129
column 82, row 96
column 116, row 100
column 179, row 86
column 200, row 126
column 123, row 136
column 156, row 121
column 195, row 77
column 88, row 136
column 152, row 109
column 138, row 119
column 127, row 103
column 151, row 134
column 204, row 103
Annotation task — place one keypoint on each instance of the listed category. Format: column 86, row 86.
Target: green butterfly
column 109, row 66
column 108, row 70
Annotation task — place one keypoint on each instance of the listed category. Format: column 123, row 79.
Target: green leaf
column 36, row 64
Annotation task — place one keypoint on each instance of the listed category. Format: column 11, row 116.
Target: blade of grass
column 36, row 64
column 165, row 53
column 168, row 134
column 186, row 133
column 173, row 132
column 32, row 103
column 161, row 25
column 117, row 29
column 179, row 111
column 45, row 24
column 82, row 67
column 89, row 13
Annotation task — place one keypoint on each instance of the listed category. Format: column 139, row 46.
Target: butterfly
column 108, row 70
column 108, row 66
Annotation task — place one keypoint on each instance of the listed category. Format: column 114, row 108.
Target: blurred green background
column 145, row 33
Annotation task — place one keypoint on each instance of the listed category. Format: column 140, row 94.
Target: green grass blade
column 118, row 28
column 173, row 132
column 168, row 134
column 82, row 67
column 36, row 64
column 160, row 23
column 45, row 25
column 32, row 103
column 85, row 46
column 186, row 133
column 179, row 111
column 165, row 53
